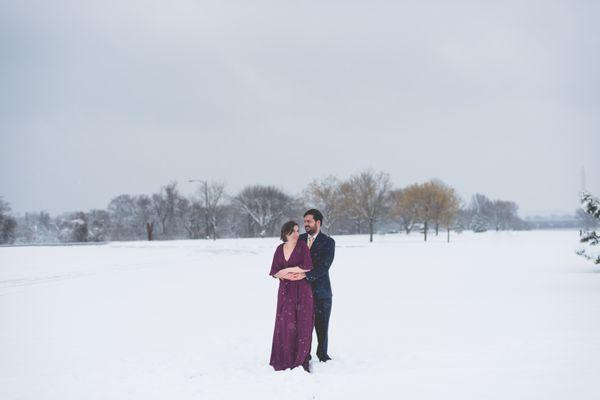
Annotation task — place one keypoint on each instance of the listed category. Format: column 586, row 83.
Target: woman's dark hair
column 315, row 213
column 287, row 228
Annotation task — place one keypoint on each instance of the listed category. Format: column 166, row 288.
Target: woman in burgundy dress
column 294, row 320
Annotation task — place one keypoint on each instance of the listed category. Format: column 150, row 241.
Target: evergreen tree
column 591, row 206
column 479, row 224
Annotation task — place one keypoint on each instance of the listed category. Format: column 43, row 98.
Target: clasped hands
column 291, row 274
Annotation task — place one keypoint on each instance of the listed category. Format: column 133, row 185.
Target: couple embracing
column 301, row 263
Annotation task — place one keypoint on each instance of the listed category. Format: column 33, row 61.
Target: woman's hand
column 278, row 275
column 290, row 274
column 296, row 276
column 282, row 274
column 293, row 269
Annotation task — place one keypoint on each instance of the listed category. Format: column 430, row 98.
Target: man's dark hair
column 316, row 214
column 287, row 228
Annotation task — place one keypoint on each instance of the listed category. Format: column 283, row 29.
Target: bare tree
column 98, row 222
column 367, row 195
column 503, row 214
column 497, row 214
column 164, row 204
column 425, row 199
column 405, row 206
column 36, row 228
column 429, row 202
column 122, row 211
column 351, row 212
column 144, row 214
column 481, row 212
column 265, row 207
column 452, row 205
column 194, row 224
column 183, row 207
column 129, row 216
column 80, row 228
column 8, row 224
column 211, row 195
column 326, row 195
column 444, row 203
column 234, row 220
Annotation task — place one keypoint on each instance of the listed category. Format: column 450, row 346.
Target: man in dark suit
column 322, row 251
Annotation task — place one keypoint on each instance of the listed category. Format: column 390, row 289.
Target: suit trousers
column 322, row 313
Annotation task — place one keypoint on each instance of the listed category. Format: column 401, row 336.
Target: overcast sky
column 100, row 98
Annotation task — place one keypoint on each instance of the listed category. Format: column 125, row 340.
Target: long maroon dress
column 294, row 320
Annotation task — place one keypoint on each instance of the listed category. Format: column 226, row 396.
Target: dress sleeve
column 275, row 265
column 306, row 257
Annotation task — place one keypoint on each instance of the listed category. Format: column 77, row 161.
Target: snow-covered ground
column 489, row 316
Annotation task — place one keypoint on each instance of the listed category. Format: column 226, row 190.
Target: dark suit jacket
column 322, row 252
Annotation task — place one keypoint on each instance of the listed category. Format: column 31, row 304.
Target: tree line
column 364, row 203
